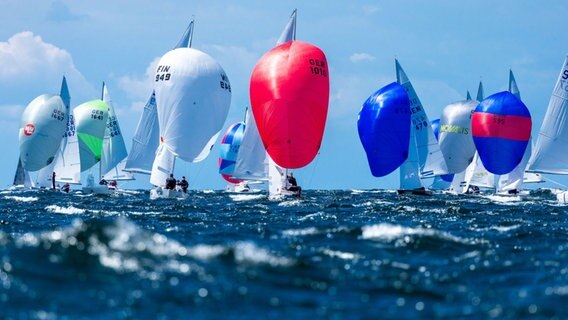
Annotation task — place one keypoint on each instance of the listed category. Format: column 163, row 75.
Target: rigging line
column 556, row 183
column 310, row 180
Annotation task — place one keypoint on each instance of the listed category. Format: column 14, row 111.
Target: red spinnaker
column 289, row 93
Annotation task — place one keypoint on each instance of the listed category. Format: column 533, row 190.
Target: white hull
column 562, row 197
column 282, row 195
column 161, row 193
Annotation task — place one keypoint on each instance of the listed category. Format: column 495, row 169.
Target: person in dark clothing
column 66, row 188
column 293, row 185
column 183, row 184
column 171, row 182
column 103, row 182
column 53, row 180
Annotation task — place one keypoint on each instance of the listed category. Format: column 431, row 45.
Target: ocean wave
column 247, row 252
column 340, row 254
column 300, row 232
column 389, row 232
column 64, row 210
column 22, row 199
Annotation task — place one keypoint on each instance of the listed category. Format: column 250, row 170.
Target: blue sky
column 445, row 47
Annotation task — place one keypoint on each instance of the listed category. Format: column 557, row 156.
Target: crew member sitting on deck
column 103, row 182
column 183, row 184
column 66, row 187
column 171, row 182
column 294, row 184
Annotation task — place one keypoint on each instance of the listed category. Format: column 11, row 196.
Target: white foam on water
column 388, row 232
column 206, row 252
column 250, row 253
column 504, row 199
column 501, row 229
column 340, row 254
column 300, row 232
column 290, row 203
column 21, row 199
column 64, row 210
column 319, row 214
column 208, row 191
column 246, row 197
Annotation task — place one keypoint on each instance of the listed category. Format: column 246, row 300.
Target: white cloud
column 139, row 87
column 371, row 10
column 360, row 57
column 26, row 61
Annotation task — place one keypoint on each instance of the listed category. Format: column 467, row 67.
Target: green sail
column 90, row 121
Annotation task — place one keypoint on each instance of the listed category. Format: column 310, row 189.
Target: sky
column 446, row 47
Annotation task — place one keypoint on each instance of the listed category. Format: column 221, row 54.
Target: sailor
column 66, row 187
column 112, row 184
column 103, row 182
column 183, row 184
column 171, row 182
column 53, row 180
column 294, row 184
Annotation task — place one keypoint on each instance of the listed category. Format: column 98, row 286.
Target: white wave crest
column 389, row 232
column 300, row 232
column 246, row 197
column 340, row 254
column 250, row 253
column 64, row 210
column 22, row 199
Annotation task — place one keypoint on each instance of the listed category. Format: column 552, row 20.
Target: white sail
column 145, row 141
column 22, row 177
column 252, row 160
column 90, row 118
column 480, row 177
column 114, row 150
column 68, row 164
column 459, row 184
column 162, row 167
column 289, row 32
column 513, row 88
column 549, row 154
column 193, row 98
column 480, row 94
column 429, row 157
column 42, row 128
column 515, row 179
column 456, row 141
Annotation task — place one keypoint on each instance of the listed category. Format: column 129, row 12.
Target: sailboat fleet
column 482, row 143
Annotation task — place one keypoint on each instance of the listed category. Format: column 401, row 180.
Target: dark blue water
column 333, row 254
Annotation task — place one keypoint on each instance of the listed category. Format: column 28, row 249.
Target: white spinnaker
column 549, row 154
column 90, row 118
column 41, row 130
column 193, row 98
column 455, row 137
column 114, row 152
column 145, row 141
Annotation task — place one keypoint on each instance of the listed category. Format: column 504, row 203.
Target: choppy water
column 333, row 254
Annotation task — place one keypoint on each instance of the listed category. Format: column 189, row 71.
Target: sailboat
column 193, row 96
column 253, row 162
column 425, row 158
column 43, row 124
column 289, row 93
column 512, row 182
column 113, row 153
column 228, row 151
column 384, row 129
column 549, row 154
column 441, row 182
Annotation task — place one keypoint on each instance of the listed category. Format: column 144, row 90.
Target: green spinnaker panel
column 90, row 120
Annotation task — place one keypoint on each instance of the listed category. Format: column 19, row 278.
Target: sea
column 333, row 254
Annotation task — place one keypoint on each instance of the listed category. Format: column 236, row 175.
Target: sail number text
column 163, row 73
column 318, row 67
column 97, row 114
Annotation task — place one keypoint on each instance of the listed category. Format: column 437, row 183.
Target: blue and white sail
column 113, row 158
column 145, row 141
column 424, row 155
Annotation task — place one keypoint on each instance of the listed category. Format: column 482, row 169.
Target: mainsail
column 114, row 152
column 145, row 141
column 425, row 158
column 549, row 154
